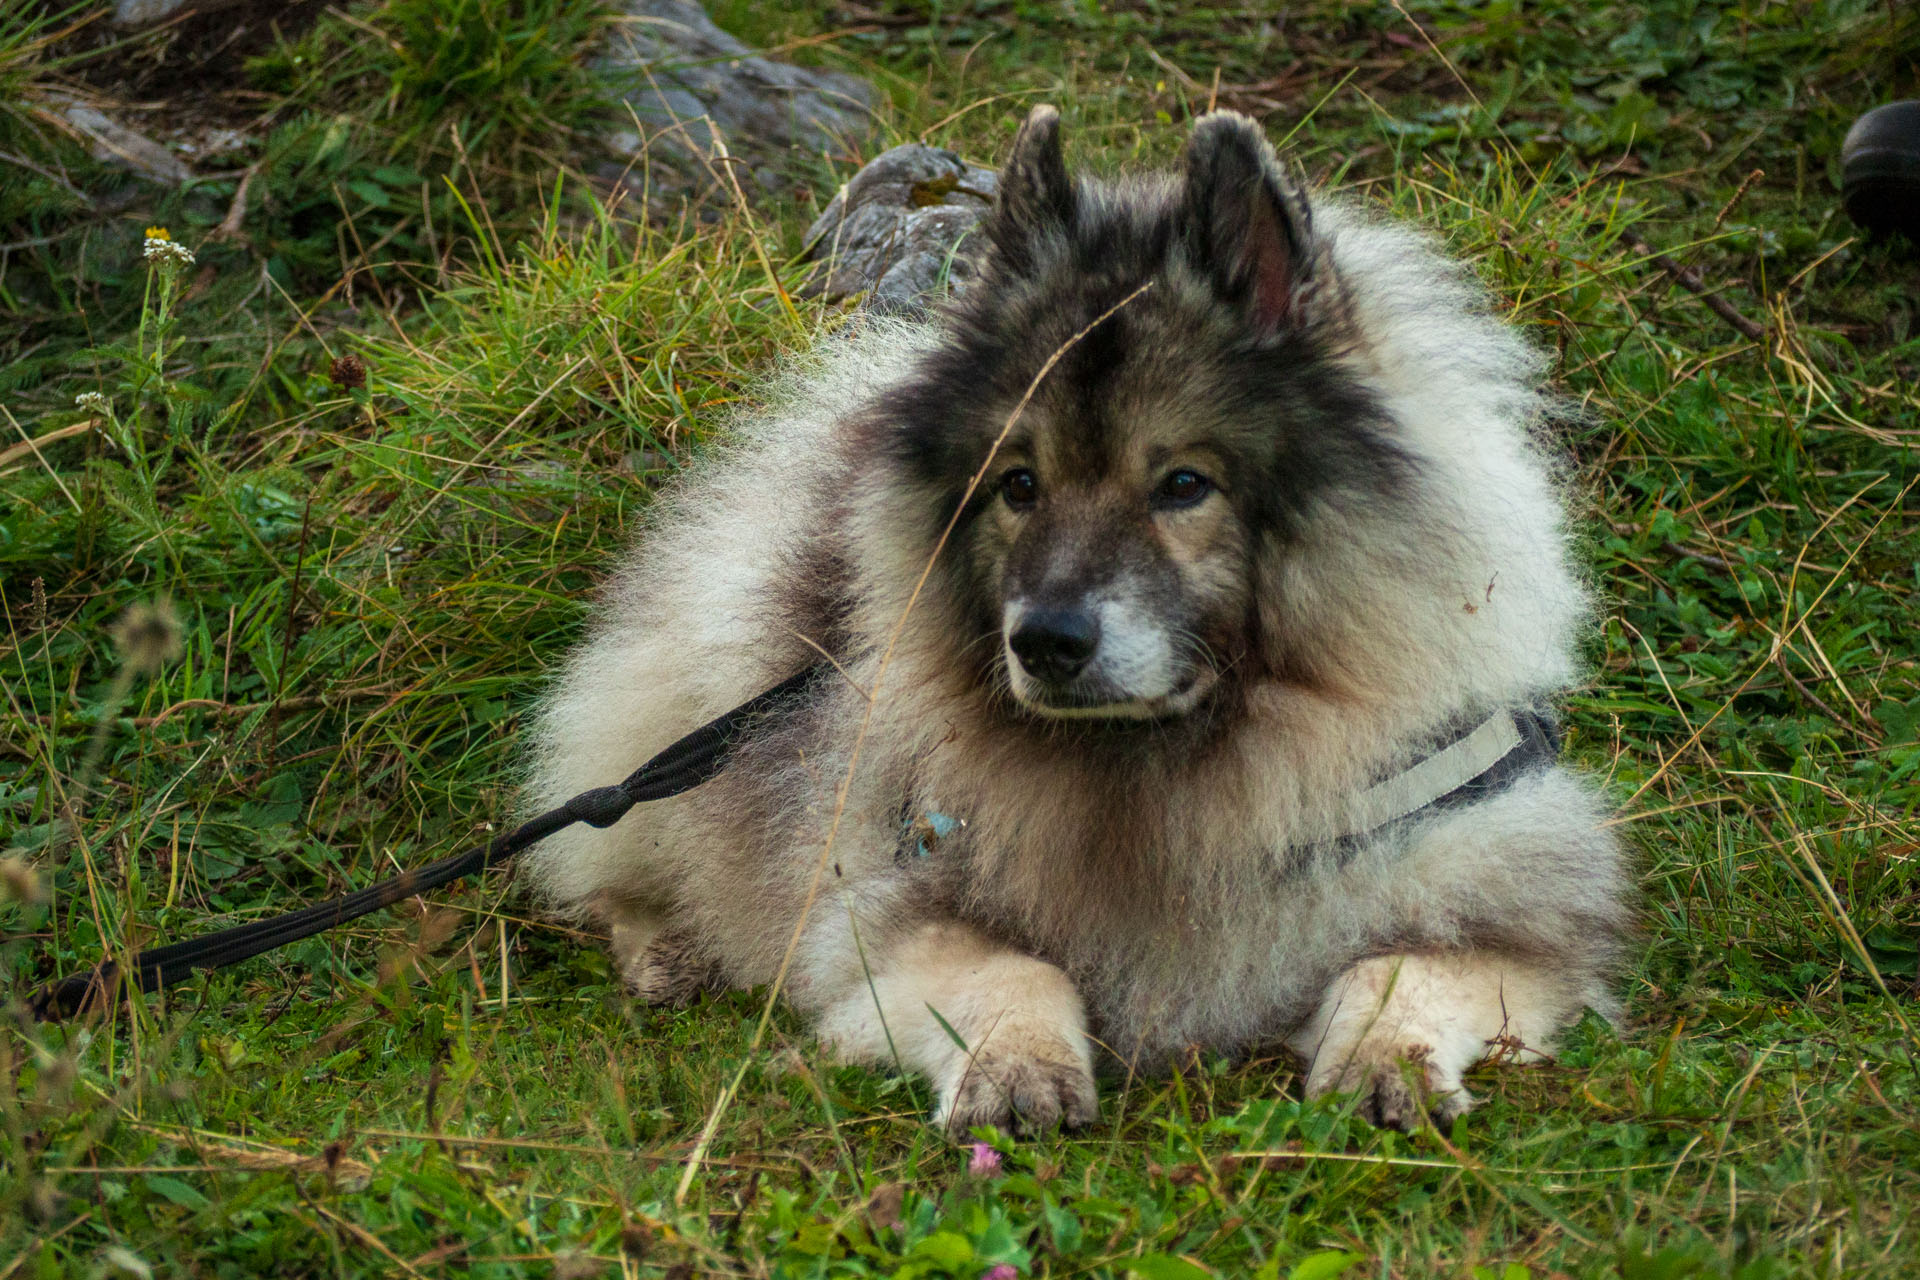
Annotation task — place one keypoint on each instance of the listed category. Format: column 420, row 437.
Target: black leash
column 681, row 767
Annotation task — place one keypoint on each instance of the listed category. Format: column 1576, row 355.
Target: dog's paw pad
column 1400, row 1092
column 1449, row 1106
column 1026, row 1093
column 670, row 973
column 1390, row 1101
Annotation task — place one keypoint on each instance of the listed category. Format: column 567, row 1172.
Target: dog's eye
column 1183, row 488
column 1020, row 488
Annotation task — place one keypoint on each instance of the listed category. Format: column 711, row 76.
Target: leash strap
column 681, row 767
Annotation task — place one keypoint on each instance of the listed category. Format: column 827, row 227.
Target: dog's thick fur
column 1286, row 498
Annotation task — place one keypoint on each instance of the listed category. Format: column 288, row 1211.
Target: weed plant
column 368, row 126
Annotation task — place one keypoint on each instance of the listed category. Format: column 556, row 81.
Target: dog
column 1144, row 578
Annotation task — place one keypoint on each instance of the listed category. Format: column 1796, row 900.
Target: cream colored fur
column 1009, row 1032
column 1434, row 1015
column 1196, row 919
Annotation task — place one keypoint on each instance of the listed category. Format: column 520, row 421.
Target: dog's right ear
column 1036, row 195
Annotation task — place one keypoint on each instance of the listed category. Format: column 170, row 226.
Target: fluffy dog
column 1211, row 505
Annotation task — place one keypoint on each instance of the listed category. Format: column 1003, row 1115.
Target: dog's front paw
column 1395, row 1088
column 1400, row 1030
column 1030, row 1088
column 670, row 971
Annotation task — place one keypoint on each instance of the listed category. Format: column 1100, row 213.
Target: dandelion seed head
column 148, row 635
column 20, row 882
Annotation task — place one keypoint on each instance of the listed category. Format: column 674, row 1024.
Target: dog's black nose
column 1054, row 644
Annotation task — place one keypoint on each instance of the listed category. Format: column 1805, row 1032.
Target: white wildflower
column 168, row 252
column 95, row 403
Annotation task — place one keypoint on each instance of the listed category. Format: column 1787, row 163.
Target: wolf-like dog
column 1211, row 504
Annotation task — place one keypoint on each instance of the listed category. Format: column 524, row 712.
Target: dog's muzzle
column 1100, row 658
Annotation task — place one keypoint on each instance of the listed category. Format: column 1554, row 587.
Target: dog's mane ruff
column 1486, row 571
column 691, row 623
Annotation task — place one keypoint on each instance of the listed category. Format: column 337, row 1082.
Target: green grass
column 369, row 579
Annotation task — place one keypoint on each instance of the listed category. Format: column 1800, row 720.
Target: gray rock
column 899, row 231
column 208, row 142
column 690, row 85
column 114, row 143
column 144, row 13
column 138, row 13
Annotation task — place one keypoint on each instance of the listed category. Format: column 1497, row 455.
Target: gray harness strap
column 1470, row 766
column 1474, row 765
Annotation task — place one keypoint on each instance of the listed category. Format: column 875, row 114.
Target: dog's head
column 1144, row 381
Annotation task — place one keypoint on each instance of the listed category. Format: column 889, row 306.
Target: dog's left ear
column 1245, row 224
